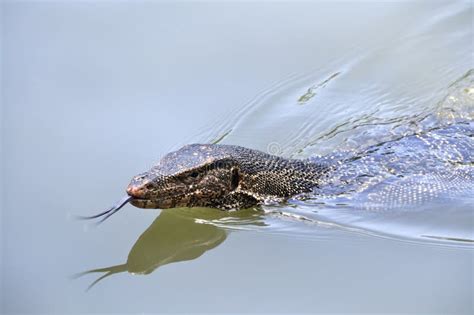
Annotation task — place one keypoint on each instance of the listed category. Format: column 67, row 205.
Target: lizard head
column 217, row 176
column 196, row 175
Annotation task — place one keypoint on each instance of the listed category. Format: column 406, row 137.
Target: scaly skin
column 411, row 169
column 221, row 176
column 407, row 171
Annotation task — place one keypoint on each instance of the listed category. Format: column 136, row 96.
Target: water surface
column 96, row 92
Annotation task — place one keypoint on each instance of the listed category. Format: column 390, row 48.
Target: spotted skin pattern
column 409, row 170
column 222, row 176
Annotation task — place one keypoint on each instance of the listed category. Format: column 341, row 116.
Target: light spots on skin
column 411, row 170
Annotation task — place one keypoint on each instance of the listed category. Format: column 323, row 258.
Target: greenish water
column 96, row 92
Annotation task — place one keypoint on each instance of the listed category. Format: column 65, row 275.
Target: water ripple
column 366, row 99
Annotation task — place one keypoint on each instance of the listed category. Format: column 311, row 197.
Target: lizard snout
column 136, row 191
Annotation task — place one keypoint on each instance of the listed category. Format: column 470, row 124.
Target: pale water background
column 96, row 92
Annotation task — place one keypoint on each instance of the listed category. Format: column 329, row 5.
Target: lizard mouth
column 145, row 203
column 132, row 198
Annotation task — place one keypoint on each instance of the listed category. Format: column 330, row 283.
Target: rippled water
column 94, row 93
column 413, row 207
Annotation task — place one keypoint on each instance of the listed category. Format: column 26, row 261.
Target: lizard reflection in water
column 426, row 165
column 178, row 235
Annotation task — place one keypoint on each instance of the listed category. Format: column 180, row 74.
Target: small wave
column 361, row 101
column 440, row 211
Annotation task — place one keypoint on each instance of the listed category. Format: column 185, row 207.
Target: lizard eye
column 235, row 179
column 194, row 174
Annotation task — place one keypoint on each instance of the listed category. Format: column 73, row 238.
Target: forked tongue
column 106, row 214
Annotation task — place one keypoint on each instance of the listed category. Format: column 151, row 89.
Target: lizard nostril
column 134, row 191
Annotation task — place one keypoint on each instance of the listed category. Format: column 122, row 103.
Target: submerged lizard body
column 408, row 170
